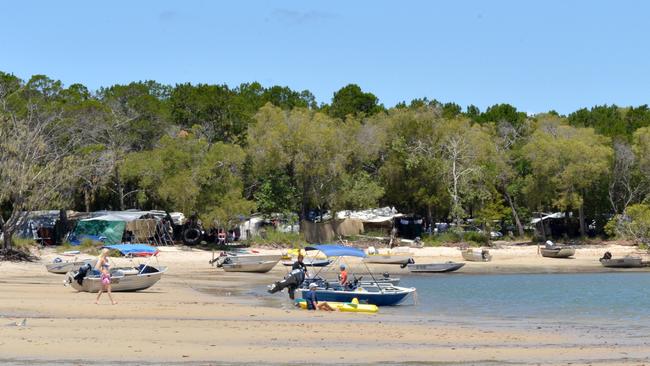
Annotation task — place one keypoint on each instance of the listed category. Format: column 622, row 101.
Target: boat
column 250, row 266
column 371, row 293
column 558, row 252
column 234, row 258
column 435, row 267
column 372, row 281
column 59, row 266
column 87, row 279
column 551, row 250
column 476, row 255
column 310, row 262
column 354, row 306
column 388, row 259
column 624, row 262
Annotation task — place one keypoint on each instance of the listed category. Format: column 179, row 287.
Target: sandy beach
column 198, row 314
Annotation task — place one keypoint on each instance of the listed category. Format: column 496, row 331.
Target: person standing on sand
column 104, row 267
column 298, row 264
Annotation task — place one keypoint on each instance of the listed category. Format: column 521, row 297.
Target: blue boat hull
column 379, row 299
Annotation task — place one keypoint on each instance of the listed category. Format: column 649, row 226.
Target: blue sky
column 538, row 56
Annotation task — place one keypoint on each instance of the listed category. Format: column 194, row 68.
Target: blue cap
column 342, row 266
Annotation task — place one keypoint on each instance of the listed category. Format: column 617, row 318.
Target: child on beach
column 104, row 267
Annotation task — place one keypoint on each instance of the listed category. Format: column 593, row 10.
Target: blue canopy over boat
column 337, row 250
column 136, row 250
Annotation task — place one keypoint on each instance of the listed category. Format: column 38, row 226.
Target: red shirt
column 343, row 277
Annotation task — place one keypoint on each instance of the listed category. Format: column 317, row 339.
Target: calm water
column 592, row 297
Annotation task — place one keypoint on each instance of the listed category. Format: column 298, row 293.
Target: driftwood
column 14, row 255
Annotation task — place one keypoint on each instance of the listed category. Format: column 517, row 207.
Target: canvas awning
column 337, row 250
column 134, row 250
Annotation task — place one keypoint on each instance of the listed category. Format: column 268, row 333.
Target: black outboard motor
column 607, row 256
column 292, row 281
column 410, row 261
column 83, row 271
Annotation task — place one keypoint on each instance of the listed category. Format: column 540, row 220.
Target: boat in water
column 551, row 250
column 137, row 278
column 60, row 266
column 435, row 267
column 476, row 255
column 370, row 292
column 624, row 262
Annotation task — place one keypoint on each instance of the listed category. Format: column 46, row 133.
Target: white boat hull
column 255, row 267
column 119, row 282
column 474, row 255
column 65, row 267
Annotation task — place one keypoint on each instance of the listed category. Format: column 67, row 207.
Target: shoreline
column 200, row 315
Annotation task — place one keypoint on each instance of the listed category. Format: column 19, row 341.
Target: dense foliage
column 226, row 152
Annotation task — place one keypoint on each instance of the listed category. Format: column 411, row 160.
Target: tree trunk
column 520, row 227
column 120, row 189
column 581, row 213
column 541, row 216
column 7, row 240
column 87, row 198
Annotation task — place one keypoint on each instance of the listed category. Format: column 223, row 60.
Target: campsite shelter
column 110, row 227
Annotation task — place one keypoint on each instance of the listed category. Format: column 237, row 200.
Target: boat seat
column 125, row 272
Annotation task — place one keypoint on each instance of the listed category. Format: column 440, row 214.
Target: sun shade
column 135, row 250
column 337, row 250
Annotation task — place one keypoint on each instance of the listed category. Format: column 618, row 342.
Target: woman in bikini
column 105, row 269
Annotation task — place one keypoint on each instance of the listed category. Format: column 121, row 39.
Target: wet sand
column 201, row 315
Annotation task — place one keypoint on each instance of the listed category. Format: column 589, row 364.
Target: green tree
column 351, row 100
column 305, row 143
column 566, row 163
column 187, row 173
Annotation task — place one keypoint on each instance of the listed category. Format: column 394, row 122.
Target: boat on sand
column 250, row 266
column 62, row 267
column 310, row 262
column 388, row 259
column 476, row 255
column 623, row 262
column 87, row 279
column 551, row 250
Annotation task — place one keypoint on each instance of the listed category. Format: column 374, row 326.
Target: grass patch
column 87, row 246
column 453, row 237
column 22, row 244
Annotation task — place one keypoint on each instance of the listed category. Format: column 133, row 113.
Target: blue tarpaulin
column 337, row 250
column 135, row 250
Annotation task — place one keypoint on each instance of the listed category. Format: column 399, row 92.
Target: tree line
column 224, row 152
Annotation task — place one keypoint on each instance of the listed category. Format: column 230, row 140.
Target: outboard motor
column 607, row 256
column 410, row 261
column 83, row 271
column 291, row 281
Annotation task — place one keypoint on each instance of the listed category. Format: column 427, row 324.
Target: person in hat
column 312, row 301
column 343, row 276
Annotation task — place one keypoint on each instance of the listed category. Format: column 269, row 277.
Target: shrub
column 476, row 237
column 22, row 244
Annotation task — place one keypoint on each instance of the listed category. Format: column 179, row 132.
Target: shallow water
column 620, row 297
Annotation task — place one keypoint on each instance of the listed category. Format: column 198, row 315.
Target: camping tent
column 109, row 227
